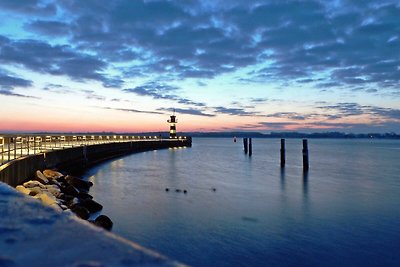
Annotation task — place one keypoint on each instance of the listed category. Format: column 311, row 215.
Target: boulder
column 32, row 183
column 91, row 205
column 82, row 212
column 46, row 198
column 23, row 189
column 70, row 190
column 50, row 174
column 36, row 191
column 41, row 178
column 78, row 183
column 84, row 195
column 104, row 222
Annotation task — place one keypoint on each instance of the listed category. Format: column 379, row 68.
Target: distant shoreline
column 294, row 135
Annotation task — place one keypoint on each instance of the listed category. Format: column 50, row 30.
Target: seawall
column 17, row 171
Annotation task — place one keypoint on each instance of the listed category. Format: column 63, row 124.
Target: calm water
column 345, row 213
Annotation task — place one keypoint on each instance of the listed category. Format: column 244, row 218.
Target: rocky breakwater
column 65, row 193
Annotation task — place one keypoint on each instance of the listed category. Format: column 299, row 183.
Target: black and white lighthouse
column 172, row 126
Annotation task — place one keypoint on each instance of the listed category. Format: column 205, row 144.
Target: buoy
column 214, row 189
column 167, row 189
column 178, row 190
column 184, row 191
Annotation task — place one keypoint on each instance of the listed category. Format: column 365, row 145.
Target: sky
column 124, row 65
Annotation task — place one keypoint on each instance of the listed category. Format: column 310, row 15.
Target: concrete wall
column 18, row 171
column 35, row 235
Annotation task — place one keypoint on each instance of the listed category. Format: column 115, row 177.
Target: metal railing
column 16, row 146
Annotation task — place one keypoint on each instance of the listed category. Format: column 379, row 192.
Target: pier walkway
column 16, row 146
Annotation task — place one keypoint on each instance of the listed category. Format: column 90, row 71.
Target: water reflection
column 305, row 193
column 282, row 176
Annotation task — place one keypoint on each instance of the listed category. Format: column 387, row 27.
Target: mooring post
column 250, row 147
column 283, row 158
column 305, row 155
column 245, row 145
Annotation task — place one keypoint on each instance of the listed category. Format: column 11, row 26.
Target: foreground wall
column 18, row 171
column 34, row 235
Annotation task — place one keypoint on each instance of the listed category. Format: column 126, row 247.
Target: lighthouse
column 172, row 125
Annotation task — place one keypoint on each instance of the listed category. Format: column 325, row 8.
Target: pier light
column 62, row 138
column 74, row 138
column 48, row 138
column 114, row 137
column 92, row 137
column 172, row 126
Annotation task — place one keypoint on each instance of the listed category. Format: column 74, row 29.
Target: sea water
column 344, row 212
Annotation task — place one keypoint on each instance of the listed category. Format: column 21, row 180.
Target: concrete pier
column 21, row 169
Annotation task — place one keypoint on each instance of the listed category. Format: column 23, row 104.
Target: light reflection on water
column 344, row 211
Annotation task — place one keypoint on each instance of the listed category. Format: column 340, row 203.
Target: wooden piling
column 250, row 147
column 245, row 145
column 305, row 156
column 283, row 156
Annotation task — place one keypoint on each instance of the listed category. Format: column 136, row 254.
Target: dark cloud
column 48, row 27
column 9, row 81
column 290, row 115
column 159, row 90
column 188, row 111
column 90, row 94
column 29, row 7
column 57, row 88
column 132, row 110
column 7, row 92
column 342, row 110
column 234, row 111
column 53, row 59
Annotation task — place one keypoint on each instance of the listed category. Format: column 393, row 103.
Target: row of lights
column 48, row 138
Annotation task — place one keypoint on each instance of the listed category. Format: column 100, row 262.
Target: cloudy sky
column 123, row 65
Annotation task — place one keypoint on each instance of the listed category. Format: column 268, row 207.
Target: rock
column 36, row 191
column 91, row 205
column 70, row 190
column 46, row 199
column 104, row 221
column 23, row 189
column 54, row 190
column 32, row 183
column 78, row 183
column 41, row 178
column 50, row 174
column 61, row 180
column 83, row 195
column 82, row 212
column 66, row 197
column 56, row 183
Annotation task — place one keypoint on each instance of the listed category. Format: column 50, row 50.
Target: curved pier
column 61, row 239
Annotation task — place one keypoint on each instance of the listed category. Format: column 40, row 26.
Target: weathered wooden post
column 283, row 157
column 245, row 145
column 250, row 147
column 305, row 156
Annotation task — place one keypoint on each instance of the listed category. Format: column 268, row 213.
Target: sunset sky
column 123, row 65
